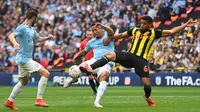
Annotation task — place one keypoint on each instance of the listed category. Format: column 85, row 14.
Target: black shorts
column 130, row 60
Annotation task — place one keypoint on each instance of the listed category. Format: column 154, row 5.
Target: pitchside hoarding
column 116, row 79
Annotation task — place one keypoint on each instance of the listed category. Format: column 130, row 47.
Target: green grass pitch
column 116, row 99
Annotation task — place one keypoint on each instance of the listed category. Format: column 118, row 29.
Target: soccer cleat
column 10, row 105
column 97, row 105
column 85, row 68
column 150, row 101
column 40, row 103
column 69, row 82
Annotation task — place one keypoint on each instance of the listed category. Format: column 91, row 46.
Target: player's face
column 89, row 35
column 35, row 20
column 97, row 32
column 144, row 25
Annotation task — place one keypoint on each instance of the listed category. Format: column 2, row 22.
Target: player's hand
column 16, row 46
column 50, row 37
column 191, row 22
column 99, row 25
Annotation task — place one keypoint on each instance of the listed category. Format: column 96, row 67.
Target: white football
column 74, row 71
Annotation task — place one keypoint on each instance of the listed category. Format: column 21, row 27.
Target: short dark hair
column 31, row 12
column 148, row 19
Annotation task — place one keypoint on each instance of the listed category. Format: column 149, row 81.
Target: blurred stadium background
column 175, row 60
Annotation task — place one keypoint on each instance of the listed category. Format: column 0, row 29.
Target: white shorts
column 99, row 70
column 30, row 67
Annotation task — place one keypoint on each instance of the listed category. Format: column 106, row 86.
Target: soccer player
column 137, row 56
column 88, row 56
column 101, row 45
column 23, row 39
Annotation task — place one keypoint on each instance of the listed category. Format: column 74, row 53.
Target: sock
column 92, row 84
column 101, row 89
column 41, row 87
column 100, row 63
column 147, row 91
column 16, row 90
column 97, row 83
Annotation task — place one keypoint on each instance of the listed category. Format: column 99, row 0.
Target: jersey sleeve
column 18, row 31
column 88, row 46
column 158, row 33
column 105, row 34
column 129, row 32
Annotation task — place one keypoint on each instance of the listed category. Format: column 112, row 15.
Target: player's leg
column 143, row 71
column 147, row 90
column 103, row 76
column 92, row 84
column 99, row 63
column 42, row 86
column 96, row 81
column 24, row 78
column 34, row 67
column 69, row 81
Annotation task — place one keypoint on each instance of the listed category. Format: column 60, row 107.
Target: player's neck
column 28, row 23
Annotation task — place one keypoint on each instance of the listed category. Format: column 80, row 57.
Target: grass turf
column 116, row 99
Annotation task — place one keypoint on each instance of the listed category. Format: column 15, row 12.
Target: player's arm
column 82, row 47
column 79, row 55
column 166, row 33
column 83, row 52
column 42, row 39
column 109, row 31
column 120, row 36
column 14, row 41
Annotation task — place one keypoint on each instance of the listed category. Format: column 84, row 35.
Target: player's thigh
column 89, row 62
column 126, row 59
column 142, row 68
column 23, row 74
column 34, row 67
column 104, row 72
column 22, row 71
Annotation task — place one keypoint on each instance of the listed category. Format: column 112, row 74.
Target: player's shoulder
column 20, row 26
column 92, row 40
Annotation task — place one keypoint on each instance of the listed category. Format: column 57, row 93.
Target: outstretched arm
column 42, row 39
column 120, row 36
column 78, row 55
column 177, row 29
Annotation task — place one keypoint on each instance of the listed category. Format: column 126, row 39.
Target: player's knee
column 24, row 81
column 104, row 76
column 111, row 56
column 147, row 85
column 46, row 74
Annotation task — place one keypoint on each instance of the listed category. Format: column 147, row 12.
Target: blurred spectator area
column 68, row 21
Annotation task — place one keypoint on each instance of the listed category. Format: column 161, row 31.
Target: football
column 74, row 71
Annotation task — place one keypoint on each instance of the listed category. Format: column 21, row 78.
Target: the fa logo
column 158, row 80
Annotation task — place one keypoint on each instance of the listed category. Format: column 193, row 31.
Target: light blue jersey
column 25, row 36
column 99, row 48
